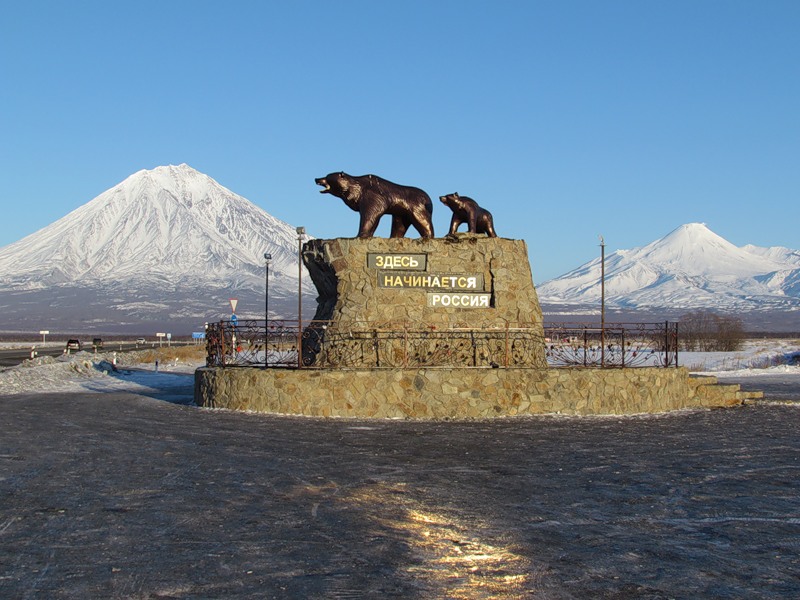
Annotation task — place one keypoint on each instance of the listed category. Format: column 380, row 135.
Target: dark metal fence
column 403, row 346
column 248, row 343
column 616, row 345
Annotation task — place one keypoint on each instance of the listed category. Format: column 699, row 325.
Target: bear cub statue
column 372, row 197
column 466, row 210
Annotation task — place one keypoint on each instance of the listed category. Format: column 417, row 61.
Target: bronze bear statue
column 466, row 210
column 372, row 197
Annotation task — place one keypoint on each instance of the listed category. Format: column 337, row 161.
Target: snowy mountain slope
column 170, row 222
column 786, row 282
column 692, row 267
column 776, row 253
column 164, row 244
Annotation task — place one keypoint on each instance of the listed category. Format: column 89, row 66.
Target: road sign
column 233, row 302
column 234, row 319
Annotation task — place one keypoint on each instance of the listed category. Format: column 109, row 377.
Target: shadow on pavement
column 173, row 387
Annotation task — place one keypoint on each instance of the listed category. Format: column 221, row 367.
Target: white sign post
column 44, row 333
column 160, row 337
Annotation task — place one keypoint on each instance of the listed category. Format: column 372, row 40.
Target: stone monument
column 424, row 292
column 434, row 329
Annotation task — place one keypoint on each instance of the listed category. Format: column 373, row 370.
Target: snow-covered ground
column 90, row 372
column 776, row 357
column 83, row 371
column 768, row 366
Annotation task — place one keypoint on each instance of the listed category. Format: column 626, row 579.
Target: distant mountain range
column 691, row 268
column 163, row 250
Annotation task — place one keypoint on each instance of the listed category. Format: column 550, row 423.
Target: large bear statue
column 466, row 210
column 372, row 197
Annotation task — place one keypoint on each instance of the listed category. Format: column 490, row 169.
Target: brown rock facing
column 351, row 297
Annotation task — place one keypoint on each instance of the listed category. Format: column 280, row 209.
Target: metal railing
column 617, row 345
column 249, row 343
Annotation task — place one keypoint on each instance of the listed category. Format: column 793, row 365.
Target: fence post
column 405, row 344
column 603, row 345
column 222, row 340
column 266, row 343
column 585, row 345
column 507, row 348
column 669, row 347
column 666, row 343
column 299, row 343
column 474, row 348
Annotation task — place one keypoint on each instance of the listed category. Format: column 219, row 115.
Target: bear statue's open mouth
column 324, row 183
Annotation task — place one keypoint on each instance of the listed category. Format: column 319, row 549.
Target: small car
column 97, row 343
column 140, row 341
column 73, row 344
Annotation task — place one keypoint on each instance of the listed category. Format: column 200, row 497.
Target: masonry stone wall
column 468, row 281
column 458, row 393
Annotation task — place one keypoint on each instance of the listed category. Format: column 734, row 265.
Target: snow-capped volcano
column 165, row 244
column 691, row 268
column 169, row 222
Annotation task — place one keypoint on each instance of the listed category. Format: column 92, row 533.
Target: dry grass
column 180, row 353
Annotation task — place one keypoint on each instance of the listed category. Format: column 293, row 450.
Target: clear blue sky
column 566, row 119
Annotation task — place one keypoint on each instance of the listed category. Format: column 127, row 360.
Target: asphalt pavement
column 127, row 496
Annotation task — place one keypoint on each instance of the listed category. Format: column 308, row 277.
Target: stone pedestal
column 409, row 302
column 460, row 393
column 439, row 329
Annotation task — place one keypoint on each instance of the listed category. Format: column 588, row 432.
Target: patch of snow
column 84, row 372
column 778, row 371
column 772, row 358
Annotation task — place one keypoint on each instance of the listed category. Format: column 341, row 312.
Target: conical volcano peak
column 691, row 267
column 170, row 232
column 181, row 183
column 693, row 229
column 694, row 250
column 172, row 171
column 692, row 235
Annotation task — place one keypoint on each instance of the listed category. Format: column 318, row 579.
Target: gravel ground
column 122, row 495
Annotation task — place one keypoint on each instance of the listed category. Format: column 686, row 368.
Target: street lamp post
column 301, row 231
column 267, row 258
column 602, row 301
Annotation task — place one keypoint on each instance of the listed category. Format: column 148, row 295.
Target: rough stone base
column 352, row 299
column 430, row 393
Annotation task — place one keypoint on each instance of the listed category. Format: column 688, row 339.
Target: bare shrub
column 706, row 331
